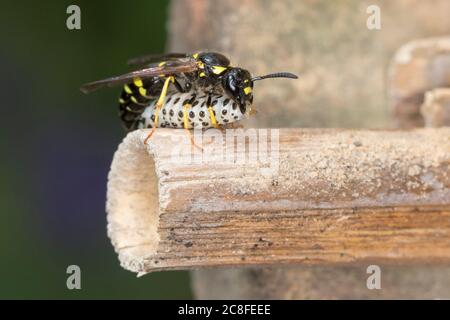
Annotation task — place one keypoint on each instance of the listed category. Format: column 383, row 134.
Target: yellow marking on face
column 127, row 89
column 247, row 90
column 195, row 55
column 202, row 74
column 218, row 69
column 137, row 82
column 200, row 65
column 133, row 99
column 162, row 63
column 143, row 91
column 246, row 80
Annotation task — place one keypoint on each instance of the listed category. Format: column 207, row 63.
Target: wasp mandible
column 201, row 90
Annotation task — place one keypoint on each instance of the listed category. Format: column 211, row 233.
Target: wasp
column 177, row 90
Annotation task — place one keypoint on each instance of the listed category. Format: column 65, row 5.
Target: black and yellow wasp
column 200, row 90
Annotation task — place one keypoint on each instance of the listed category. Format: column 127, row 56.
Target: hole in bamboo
column 133, row 205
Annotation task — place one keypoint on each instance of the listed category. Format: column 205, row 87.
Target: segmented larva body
column 226, row 111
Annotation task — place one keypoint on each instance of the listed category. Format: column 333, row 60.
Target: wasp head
column 238, row 84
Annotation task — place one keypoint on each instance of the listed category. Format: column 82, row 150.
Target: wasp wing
column 142, row 60
column 170, row 68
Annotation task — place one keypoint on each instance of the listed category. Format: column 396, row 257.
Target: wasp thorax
column 238, row 84
column 212, row 64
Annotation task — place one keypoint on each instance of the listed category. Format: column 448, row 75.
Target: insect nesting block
column 303, row 196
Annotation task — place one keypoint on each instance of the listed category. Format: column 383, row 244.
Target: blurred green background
column 57, row 145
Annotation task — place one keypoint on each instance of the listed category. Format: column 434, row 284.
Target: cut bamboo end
column 288, row 196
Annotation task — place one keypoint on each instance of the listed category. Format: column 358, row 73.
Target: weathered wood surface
column 338, row 197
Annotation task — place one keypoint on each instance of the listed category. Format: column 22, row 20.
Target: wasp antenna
column 276, row 75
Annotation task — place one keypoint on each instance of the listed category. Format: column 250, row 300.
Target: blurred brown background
column 343, row 65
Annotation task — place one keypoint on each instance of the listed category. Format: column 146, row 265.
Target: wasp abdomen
column 171, row 115
column 135, row 97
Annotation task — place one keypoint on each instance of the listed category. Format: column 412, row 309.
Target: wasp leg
column 211, row 113
column 158, row 106
column 186, row 108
